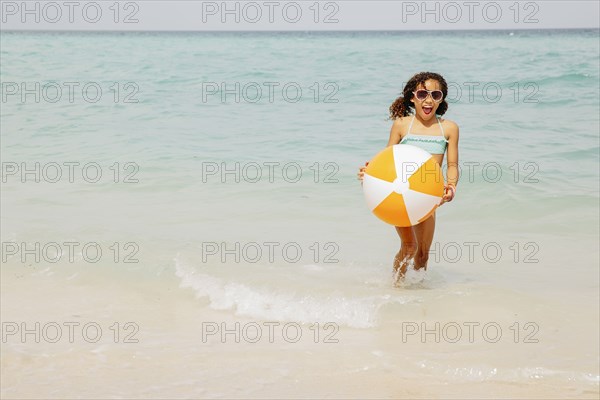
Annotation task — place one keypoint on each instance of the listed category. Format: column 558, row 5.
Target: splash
column 413, row 278
column 302, row 306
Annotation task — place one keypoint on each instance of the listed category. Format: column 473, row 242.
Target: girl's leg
column 424, row 235
column 408, row 250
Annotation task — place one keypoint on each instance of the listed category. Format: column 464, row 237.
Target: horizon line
column 300, row 30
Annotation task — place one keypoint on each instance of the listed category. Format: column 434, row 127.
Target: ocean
column 181, row 217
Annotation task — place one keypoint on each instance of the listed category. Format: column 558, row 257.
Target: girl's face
column 425, row 109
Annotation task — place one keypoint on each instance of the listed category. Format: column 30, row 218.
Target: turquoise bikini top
column 433, row 144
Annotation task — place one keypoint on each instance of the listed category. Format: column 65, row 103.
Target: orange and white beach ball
column 403, row 185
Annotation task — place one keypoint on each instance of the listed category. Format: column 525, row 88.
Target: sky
column 298, row 15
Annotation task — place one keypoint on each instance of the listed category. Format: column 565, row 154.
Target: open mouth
column 427, row 110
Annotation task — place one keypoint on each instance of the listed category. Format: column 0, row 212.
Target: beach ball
column 403, row 185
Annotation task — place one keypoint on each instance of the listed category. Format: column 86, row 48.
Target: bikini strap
column 410, row 126
column 441, row 127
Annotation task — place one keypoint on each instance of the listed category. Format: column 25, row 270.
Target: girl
column 416, row 122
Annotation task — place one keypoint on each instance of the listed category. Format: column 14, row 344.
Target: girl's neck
column 428, row 123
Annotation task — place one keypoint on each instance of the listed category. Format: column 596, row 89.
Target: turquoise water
column 529, row 152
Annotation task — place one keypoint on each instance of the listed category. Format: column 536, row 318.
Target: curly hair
column 401, row 107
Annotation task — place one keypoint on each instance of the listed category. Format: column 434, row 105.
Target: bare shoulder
column 450, row 127
column 397, row 132
column 401, row 123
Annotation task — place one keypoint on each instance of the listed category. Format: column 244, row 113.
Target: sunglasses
column 422, row 94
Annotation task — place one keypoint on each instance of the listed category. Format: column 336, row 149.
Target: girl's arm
column 452, row 163
column 452, row 160
column 395, row 132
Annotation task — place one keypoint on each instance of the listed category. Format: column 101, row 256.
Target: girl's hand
column 449, row 193
column 361, row 172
